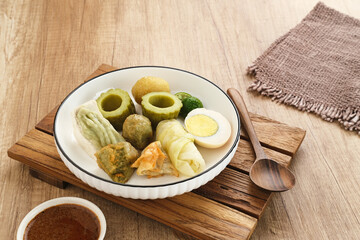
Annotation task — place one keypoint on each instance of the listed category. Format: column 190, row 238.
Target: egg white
column 222, row 134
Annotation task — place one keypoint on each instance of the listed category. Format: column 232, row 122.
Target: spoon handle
column 245, row 119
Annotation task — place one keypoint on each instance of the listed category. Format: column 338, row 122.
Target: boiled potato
column 149, row 84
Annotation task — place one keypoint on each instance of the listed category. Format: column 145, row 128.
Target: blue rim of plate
column 147, row 186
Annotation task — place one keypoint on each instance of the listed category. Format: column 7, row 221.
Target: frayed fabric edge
column 348, row 118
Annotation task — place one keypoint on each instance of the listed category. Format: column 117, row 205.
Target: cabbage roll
column 180, row 147
column 153, row 162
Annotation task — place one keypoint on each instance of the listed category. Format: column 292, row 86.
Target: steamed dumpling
column 92, row 130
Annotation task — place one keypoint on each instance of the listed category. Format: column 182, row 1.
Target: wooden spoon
column 264, row 172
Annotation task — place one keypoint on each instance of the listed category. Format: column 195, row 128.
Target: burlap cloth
column 315, row 67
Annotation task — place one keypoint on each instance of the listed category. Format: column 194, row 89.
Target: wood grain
column 232, row 188
column 49, row 47
column 48, row 178
column 188, row 212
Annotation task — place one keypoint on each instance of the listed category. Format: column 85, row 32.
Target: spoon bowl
column 271, row 175
column 265, row 173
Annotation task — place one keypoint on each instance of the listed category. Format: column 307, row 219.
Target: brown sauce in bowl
column 64, row 221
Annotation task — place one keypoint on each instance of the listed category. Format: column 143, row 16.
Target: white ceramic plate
column 58, row 201
column 85, row 168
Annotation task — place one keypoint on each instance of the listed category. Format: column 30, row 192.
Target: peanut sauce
column 64, row 221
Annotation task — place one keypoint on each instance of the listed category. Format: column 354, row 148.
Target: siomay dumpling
column 92, row 130
column 180, row 147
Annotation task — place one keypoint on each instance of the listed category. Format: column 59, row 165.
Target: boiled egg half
column 209, row 128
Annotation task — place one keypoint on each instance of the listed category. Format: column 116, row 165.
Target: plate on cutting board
column 85, row 168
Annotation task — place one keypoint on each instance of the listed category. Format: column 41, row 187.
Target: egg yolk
column 201, row 125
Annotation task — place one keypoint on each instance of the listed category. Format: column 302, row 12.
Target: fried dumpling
column 154, row 162
column 116, row 159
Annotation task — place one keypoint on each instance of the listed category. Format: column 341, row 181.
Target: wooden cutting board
column 227, row 207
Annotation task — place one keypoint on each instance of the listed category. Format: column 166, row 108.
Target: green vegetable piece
column 116, row 105
column 190, row 104
column 158, row 106
column 182, row 95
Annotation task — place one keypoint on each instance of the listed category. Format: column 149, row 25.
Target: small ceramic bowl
column 58, row 201
column 141, row 187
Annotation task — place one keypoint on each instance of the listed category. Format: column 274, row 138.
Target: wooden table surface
column 50, row 47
